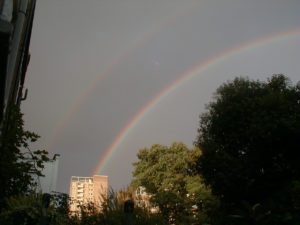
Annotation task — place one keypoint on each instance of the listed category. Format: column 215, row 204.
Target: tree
column 22, row 209
column 27, row 208
column 18, row 164
column 60, row 203
column 168, row 175
column 112, row 212
column 249, row 137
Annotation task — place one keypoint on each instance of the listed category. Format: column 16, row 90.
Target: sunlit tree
column 168, row 175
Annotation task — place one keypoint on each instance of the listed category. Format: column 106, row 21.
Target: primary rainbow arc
column 175, row 84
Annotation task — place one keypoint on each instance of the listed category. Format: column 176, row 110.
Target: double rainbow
column 178, row 82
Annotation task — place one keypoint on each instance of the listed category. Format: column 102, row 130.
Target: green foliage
column 169, row 176
column 113, row 207
column 26, row 209
column 112, row 212
column 18, row 164
column 22, row 209
column 60, row 204
column 249, row 137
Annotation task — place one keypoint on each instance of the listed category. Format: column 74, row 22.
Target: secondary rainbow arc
column 175, row 84
column 142, row 38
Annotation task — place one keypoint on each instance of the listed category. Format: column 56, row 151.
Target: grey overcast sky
column 95, row 64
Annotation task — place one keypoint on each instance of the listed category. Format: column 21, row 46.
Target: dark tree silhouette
column 18, row 164
column 249, row 137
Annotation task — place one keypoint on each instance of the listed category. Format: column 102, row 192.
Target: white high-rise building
column 87, row 189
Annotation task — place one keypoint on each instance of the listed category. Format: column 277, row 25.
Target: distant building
column 142, row 199
column 85, row 190
column 16, row 18
column 47, row 183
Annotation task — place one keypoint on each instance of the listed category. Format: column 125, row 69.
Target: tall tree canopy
column 168, row 174
column 18, row 164
column 249, row 137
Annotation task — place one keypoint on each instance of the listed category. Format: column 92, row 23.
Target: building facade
column 47, row 183
column 85, row 190
column 142, row 199
column 16, row 18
